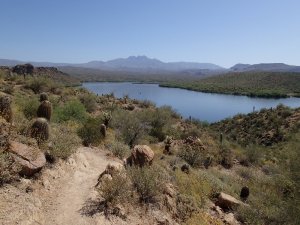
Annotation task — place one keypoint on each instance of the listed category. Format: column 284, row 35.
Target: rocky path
column 63, row 195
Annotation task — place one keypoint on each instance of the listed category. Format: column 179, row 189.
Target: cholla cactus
column 45, row 110
column 44, row 97
column 103, row 130
column 40, row 130
column 107, row 118
column 5, row 108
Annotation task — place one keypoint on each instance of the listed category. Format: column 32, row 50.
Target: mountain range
column 145, row 65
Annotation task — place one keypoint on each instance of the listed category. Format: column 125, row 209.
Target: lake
column 203, row 106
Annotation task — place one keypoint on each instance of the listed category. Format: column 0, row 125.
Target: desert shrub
column 37, row 84
column 28, row 106
column 89, row 102
column 253, row 155
column 8, row 89
column 43, row 84
column 90, row 131
column 148, row 182
column 8, row 170
column 72, row 110
column 146, row 104
column 129, row 127
column 245, row 173
column 192, row 154
column 116, row 191
column 159, row 121
column 194, row 186
column 191, row 132
column 119, row 149
column 226, row 157
column 203, row 218
column 64, row 140
column 186, row 206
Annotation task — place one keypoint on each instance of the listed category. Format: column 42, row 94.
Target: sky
column 224, row 32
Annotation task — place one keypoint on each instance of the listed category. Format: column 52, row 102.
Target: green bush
column 159, row 121
column 148, row 182
column 37, row 84
column 129, row 127
column 116, row 191
column 89, row 102
column 193, row 155
column 90, row 132
column 8, row 169
column 28, row 106
column 43, row 84
column 72, row 110
column 119, row 149
column 64, row 140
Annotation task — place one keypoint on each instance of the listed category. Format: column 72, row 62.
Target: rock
column 227, row 202
column 109, row 172
column 185, row 168
column 141, row 155
column 230, row 219
column 170, row 190
column 170, row 204
column 245, row 193
column 119, row 211
column 31, row 160
column 23, row 69
column 112, row 169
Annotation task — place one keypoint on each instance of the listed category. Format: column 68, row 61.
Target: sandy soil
column 62, row 195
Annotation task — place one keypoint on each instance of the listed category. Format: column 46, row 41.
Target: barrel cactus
column 40, row 130
column 5, row 108
column 168, row 142
column 45, row 110
column 103, row 129
column 44, row 97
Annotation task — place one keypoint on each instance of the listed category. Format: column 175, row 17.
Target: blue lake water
column 202, row 106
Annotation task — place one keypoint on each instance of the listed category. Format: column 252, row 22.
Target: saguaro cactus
column 40, row 130
column 45, row 110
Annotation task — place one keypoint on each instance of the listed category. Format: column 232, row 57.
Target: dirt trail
column 75, row 186
column 62, row 196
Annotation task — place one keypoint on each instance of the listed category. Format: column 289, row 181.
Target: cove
column 203, row 106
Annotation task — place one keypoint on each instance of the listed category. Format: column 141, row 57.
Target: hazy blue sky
column 224, row 32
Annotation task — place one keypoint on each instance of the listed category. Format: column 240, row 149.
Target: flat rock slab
column 226, row 201
column 31, row 160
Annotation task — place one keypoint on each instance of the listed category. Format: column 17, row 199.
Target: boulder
column 110, row 171
column 30, row 159
column 227, row 202
column 141, row 155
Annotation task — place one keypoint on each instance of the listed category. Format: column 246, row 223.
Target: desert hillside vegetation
column 242, row 170
column 255, row 84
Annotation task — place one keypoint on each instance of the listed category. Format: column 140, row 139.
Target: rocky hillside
column 68, row 156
